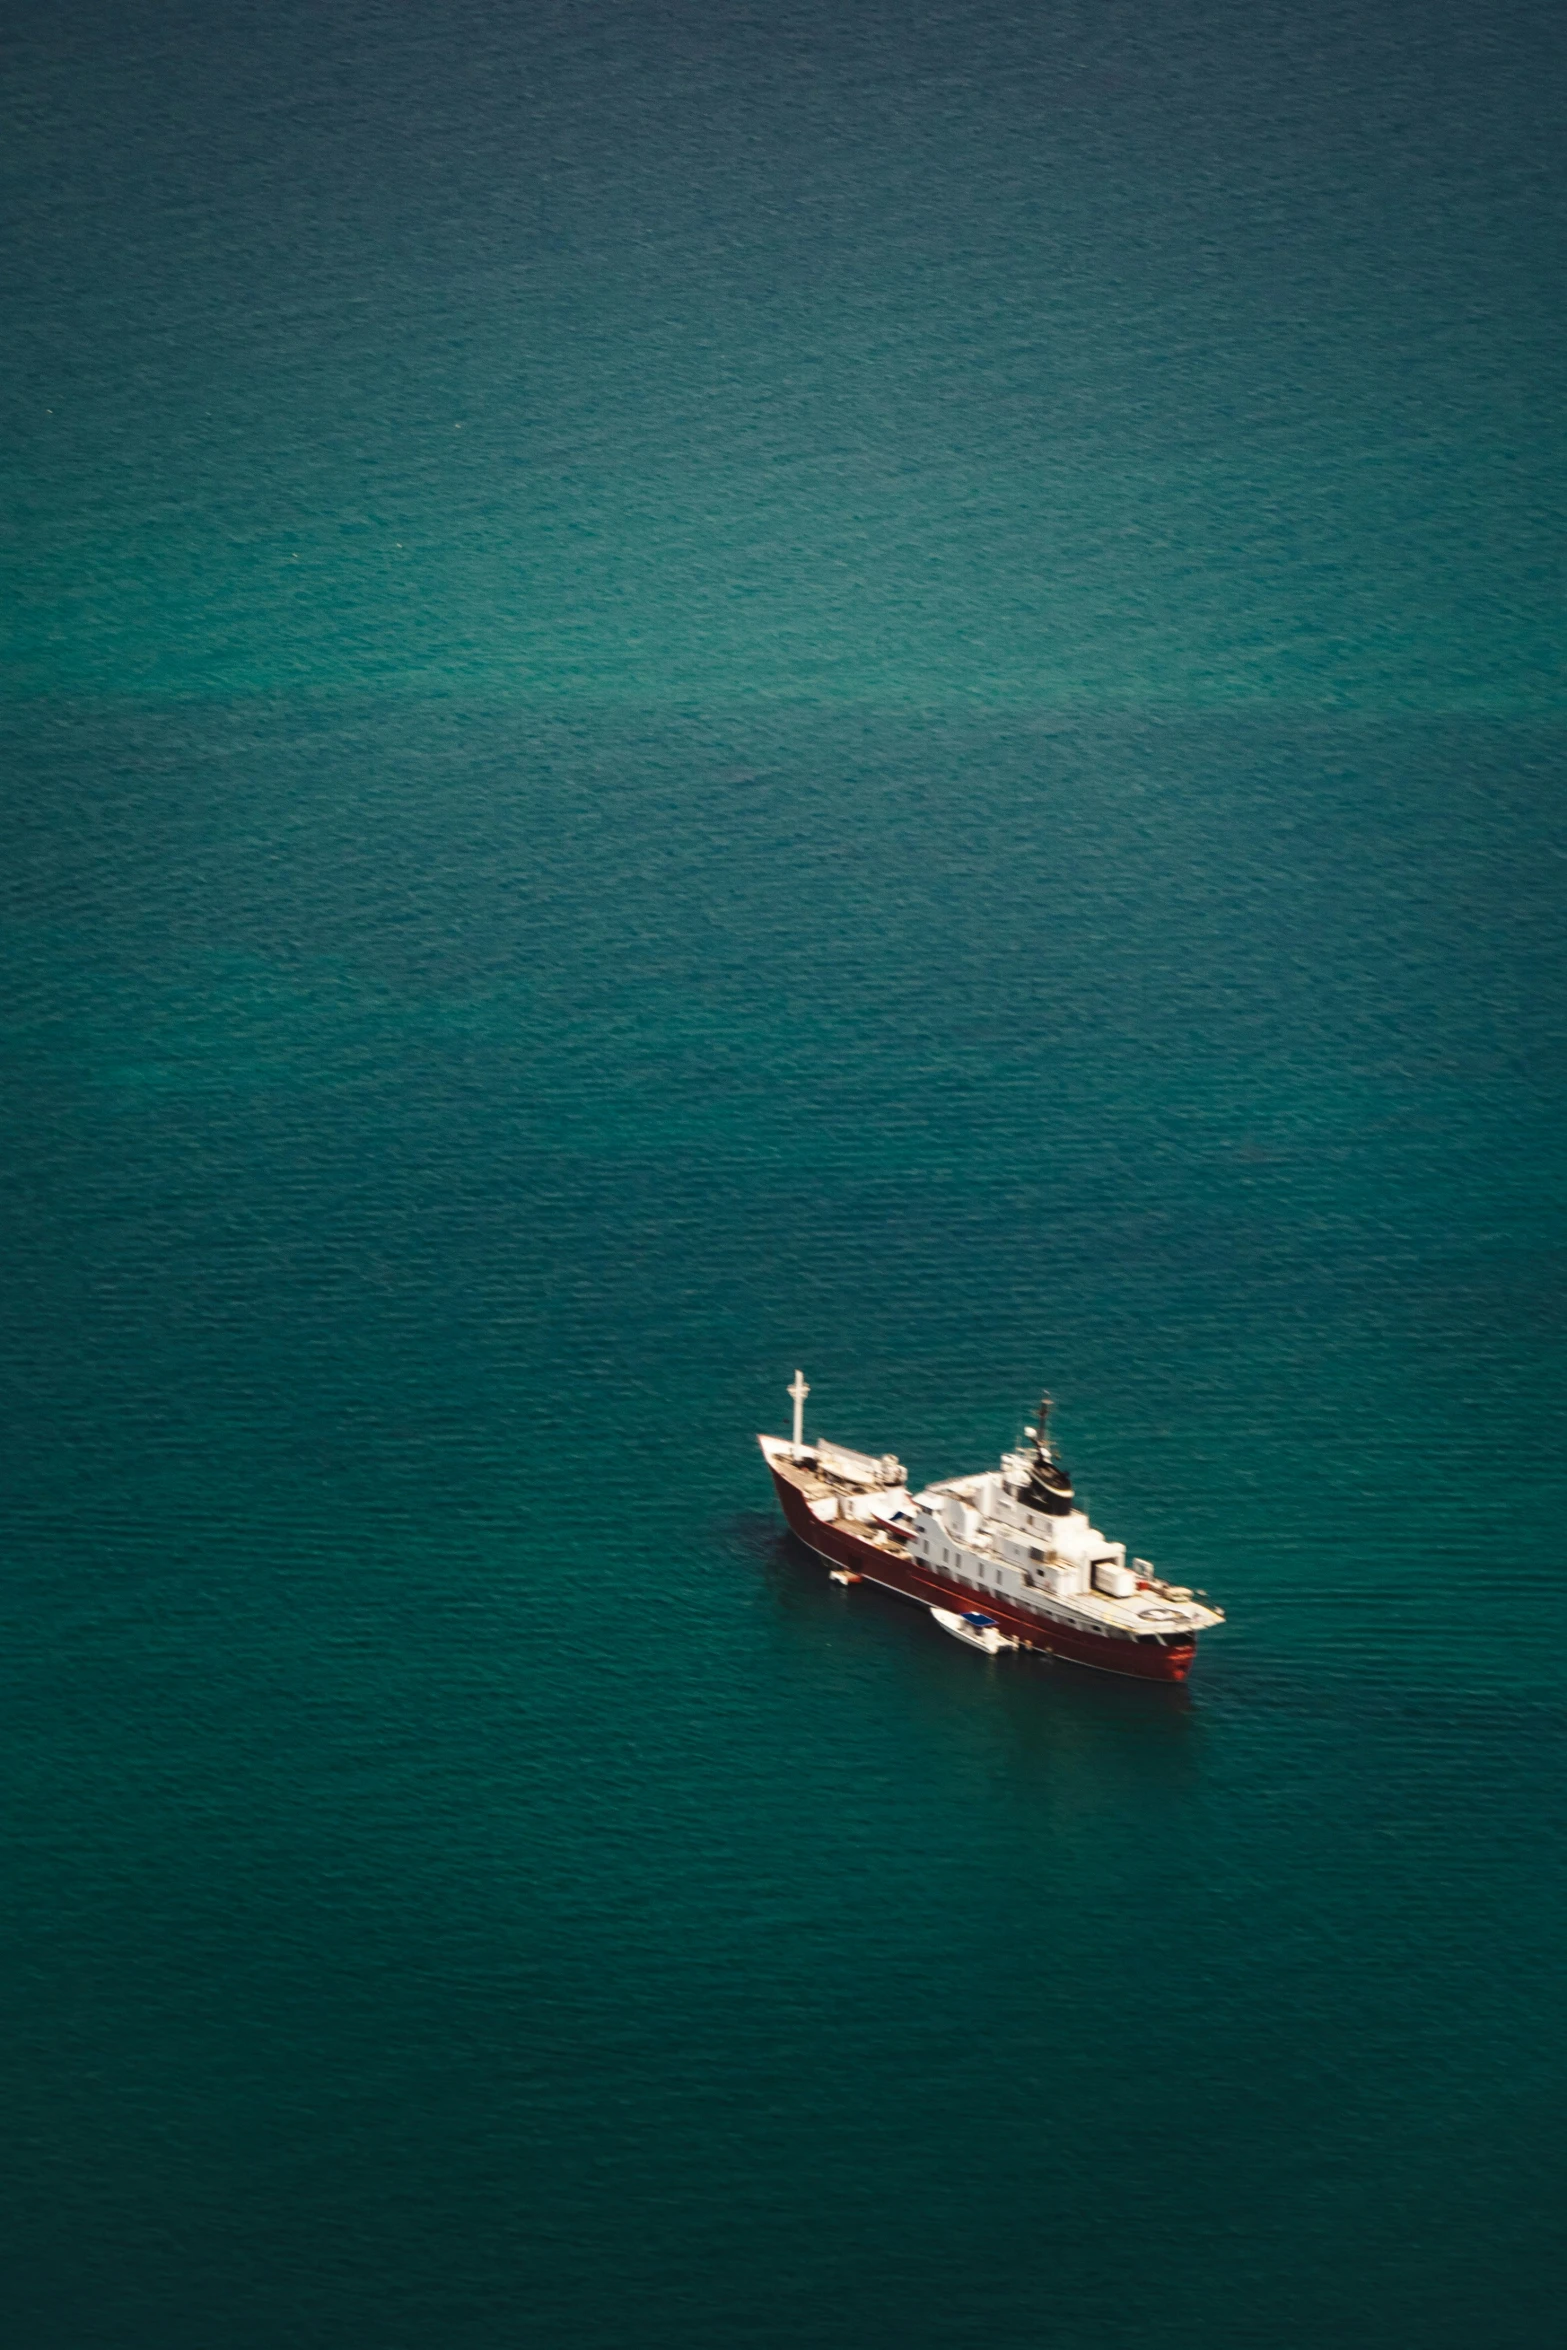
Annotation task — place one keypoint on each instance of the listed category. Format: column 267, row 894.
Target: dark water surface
column 695, row 692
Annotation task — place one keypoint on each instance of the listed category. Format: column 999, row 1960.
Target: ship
column 1007, row 1545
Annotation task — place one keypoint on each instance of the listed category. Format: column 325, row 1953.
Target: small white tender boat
column 973, row 1629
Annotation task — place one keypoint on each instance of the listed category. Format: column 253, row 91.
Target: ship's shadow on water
column 1036, row 1697
column 1232, row 1683
column 795, row 1573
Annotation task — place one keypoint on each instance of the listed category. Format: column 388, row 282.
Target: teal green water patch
column 1157, row 384
column 464, row 1860
column 685, row 696
column 1349, row 567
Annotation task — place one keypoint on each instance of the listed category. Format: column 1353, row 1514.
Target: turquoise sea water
column 693, row 692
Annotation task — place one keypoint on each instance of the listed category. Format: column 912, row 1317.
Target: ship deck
column 814, row 1483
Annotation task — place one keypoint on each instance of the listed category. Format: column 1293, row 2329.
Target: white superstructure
column 1014, row 1534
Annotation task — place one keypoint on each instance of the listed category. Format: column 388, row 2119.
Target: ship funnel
column 1049, row 1487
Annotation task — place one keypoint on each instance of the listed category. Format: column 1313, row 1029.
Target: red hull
column 844, row 1548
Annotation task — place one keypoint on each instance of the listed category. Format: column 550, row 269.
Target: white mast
column 799, row 1391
